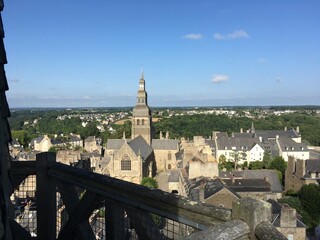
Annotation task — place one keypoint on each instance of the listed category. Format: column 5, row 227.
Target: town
column 269, row 165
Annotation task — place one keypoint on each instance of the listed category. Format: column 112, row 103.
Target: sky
column 81, row 53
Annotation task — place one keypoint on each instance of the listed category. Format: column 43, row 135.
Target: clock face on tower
column 141, row 86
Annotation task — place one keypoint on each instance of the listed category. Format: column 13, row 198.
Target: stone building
column 214, row 192
column 132, row 160
column 300, row 172
column 41, row 144
column 141, row 156
column 250, row 146
column 91, row 144
column 287, row 221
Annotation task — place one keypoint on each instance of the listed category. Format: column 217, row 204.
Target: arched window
column 138, row 122
column 169, row 156
column 126, row 163
column 142, row 122
column 169, row 166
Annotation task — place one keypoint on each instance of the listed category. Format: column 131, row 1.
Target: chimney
column 300, row 167
column 241, row 130
column 260, row 139
column 285, row 128
column 161, row 135
column 298, row 129
column 167, row 135
column 288, row 216
column 201, row 192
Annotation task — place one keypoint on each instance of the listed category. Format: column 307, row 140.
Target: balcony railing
column 65, row 202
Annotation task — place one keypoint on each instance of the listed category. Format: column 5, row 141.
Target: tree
column 256, row 165
column 149, row 182
column 310, row 198
column 279, row 164
column 266, row 159
column 224, row 164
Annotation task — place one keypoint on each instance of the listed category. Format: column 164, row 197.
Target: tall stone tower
column 141, row 118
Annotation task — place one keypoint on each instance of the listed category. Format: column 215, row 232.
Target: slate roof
column 115, row 143
column 226, row 174
column 267, row 134
column 74, row 138
column 174, row 176
column 276, row 214
column 165, row 144
column 214, row 186
column 234, row 143
column 289, row 145
column 260, row 174
column 313, row 165
column 248, row 185
column 211, row 187
column 139, row 145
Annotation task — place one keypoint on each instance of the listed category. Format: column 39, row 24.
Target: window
column 126, row 163
column 169, row 156
column 138, row 122
column 142, row 122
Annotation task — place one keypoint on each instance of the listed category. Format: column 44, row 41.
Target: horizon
column 198, row 54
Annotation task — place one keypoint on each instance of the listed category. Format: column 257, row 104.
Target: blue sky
column 194, row 53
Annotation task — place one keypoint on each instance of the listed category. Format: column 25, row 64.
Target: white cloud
column 218, row 36
column 193, row 36
column 234, row 35
column 219, row 78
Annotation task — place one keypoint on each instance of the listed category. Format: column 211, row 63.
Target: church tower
column 141, row 118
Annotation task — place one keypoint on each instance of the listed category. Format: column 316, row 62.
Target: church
column 141, row 156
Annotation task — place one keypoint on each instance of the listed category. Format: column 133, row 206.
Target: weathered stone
column 231, row 230
column 252, row 212
column 266, row 231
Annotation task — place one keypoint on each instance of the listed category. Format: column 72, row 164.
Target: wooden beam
column 71, row 201
column 143, row 224
column 45, row 198
column 153, row 200
column 80, row 214
column 19, row 233
column 115, row 221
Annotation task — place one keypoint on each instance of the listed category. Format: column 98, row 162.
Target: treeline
column 178, row 126
column 203, row 125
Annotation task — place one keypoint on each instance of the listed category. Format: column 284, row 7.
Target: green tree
column 266, row 159
column 256, row 165
column 149, row 182
column 310, row 198
column 21, row 136
column 224, row 164
column 279, row 164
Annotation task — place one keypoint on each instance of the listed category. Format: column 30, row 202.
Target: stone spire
column 141, row 117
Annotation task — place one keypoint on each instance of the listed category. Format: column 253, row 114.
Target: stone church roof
column 140, row 146
column 165, row 144
column 115, row 143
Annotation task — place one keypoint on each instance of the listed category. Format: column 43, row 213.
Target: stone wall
column 223, row 198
